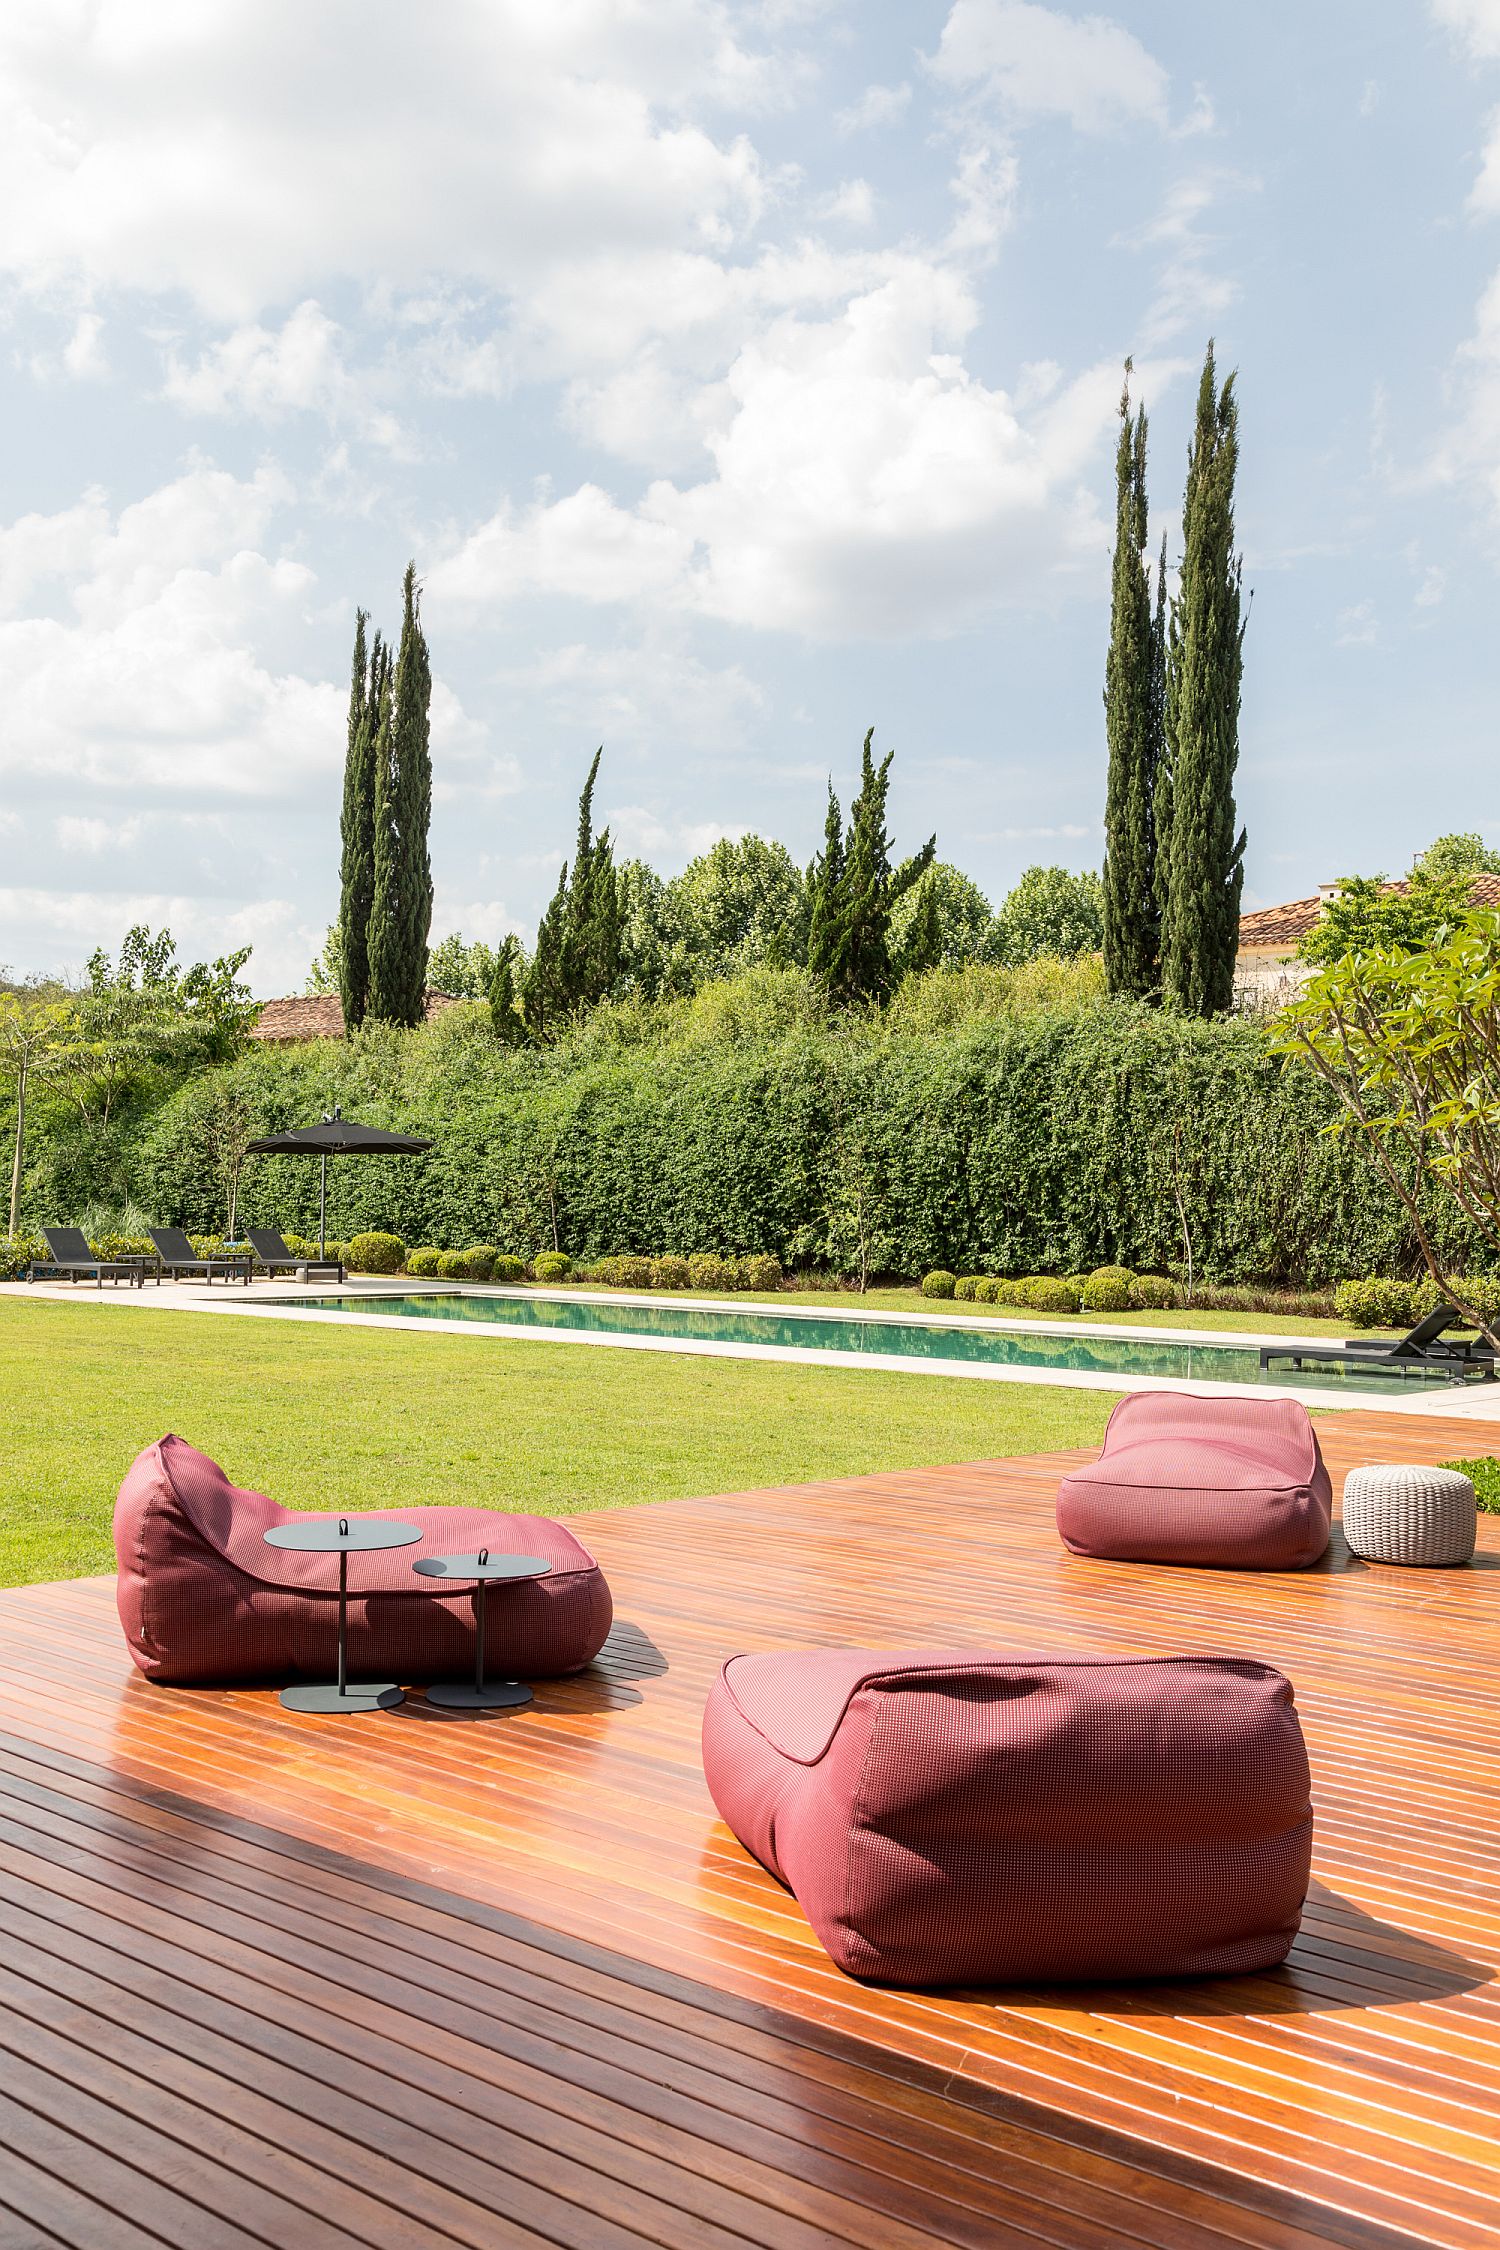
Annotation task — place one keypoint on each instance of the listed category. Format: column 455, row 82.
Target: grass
column 1484, row 1474
column 364, row 1418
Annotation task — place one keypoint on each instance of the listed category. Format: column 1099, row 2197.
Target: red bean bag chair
column 949, row 1817
column 203, row 1599
column 1237, row 1482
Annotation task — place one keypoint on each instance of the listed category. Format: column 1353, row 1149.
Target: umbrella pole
column 323, row 1209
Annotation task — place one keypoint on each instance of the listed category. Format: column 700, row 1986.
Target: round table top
column 349, row 1535
column 484, row 1566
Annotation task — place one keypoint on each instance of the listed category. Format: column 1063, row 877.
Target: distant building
column 1266, row 966
column 320, row 1015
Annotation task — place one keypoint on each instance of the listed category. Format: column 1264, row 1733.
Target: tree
column 1203, row 859
column 943, row 922
column 577, row 959
column 1050, row 911
column 1133, row 726
column 401, row 908
column 141, row 1017
column 227, row 1123
column 464, row 971
column 357, row 827
column 1463, row 854
column 1409, row 1041
column 326, row 972
column 505, row 996
column 854, row 889
column 1367, row 914
column 36, row 1036
column 742, row 905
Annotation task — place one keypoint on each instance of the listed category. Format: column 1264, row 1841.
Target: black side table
column 486, row 1570
column 343, row 1536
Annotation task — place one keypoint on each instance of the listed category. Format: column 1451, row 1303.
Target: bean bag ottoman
column 204, row 1600
column 1235, row 1482
column 948, row 1817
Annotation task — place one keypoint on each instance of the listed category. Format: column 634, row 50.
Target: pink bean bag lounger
column 205, row 1601
column 1235, row 1482
column 951, row 1817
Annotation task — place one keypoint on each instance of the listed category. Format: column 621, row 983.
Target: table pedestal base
column 336, row 1702
column 495, row 1695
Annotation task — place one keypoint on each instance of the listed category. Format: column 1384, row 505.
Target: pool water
column 1081, row 1353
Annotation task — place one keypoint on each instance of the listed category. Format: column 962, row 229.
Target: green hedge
column 1051, row 1144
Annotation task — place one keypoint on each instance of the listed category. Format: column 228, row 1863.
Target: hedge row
column 1112, row 1136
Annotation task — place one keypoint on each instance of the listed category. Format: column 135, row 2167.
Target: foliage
column 853, row 890
column 1107, row 1289
column 551, row 1265
column 742, row 905
column 966, row 1288
column 401, row 900
column 577, row 959
column 375, row 1252
column 425, row 1262
column 37, row 1038
column 1151, row 1292
column 1375, row 1302
column 1200, row 860
column 1133, row 685
column 1368, row 915
column 760, row 1271
column 621, row 1272
column 507, row 1268
column 1047, row 1294
column 939, row 1283
column 706, row 1270
column 1484, row 1474
column 324, row 973
column 504, row 995
column 670, row 1273
column 466, row 971
column 961, row 922
column 1051, row 912
column 346, row 954
column 944, row 1001
column 1409, row 1042
column 1464, row 854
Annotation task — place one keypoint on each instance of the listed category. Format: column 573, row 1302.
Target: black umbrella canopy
column 336, row 1136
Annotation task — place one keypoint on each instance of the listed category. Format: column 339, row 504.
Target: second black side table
column 486, row 1570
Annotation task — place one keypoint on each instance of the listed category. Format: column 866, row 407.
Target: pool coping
column 1477, row 1402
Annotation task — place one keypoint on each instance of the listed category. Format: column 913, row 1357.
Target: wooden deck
column 415, row 1980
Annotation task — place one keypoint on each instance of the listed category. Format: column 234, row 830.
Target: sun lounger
column 1427, row 1348
column 272, row 1253
column 69, row 1258
column 181, row 1261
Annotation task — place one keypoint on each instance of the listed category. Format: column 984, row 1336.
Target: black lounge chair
column 272, row 1253
column 181, row 1261
column 1424, row 1349
column 70, row 1258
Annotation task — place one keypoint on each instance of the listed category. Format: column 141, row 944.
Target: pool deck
column 416, row 1980
column 284, row 1301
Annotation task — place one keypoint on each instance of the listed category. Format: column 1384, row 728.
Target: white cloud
column 1192, row 290
column 1356, row 627
column 1037, row 62
column 641, row 694
column 1469, row 451
column 877, row 105
column 1433, row 587
column 268, row 374
column 585, row 545
column 80, row 833
column 1477, row 23
column 58, row 929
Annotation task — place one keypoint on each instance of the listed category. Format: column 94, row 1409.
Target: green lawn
column 364, row 1418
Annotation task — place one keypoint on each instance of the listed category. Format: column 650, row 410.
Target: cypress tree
column 402, row 913
column 505, row 1007
column 855, row 888
column 825, row 883
column 1205, row 859
column 576, row 963
column 357, row 834
column 1132, row 718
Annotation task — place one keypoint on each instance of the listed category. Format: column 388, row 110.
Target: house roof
column 320, row 1015
column 1279, row 929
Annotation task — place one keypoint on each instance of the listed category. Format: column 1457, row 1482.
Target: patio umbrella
column 336, row 1136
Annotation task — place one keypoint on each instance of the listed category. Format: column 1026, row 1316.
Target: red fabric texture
column 1237, row 1483
column 951, row 1817
column 204, row 1600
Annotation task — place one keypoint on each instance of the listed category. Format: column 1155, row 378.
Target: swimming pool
column 946, row 1345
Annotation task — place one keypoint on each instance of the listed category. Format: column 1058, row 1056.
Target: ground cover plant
column 372, row 1419
column 1484, row 1474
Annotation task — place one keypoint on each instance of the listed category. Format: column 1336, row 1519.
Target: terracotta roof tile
column 320, row 1015
column 1279, row 929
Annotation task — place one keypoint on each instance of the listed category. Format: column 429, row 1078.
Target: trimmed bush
column 988, row 1292
column 938, row 1283
column 479, row 1261
column 1152, row 1292
column 507, row 1268
column 1108, row 1289
column 551, row 1265
column 760, row 1272
column 966, row 1288
column 375, row 1253
column 424, row 1262
column 453, row 1265
column 1051, row 1294
column 621, row 1272
column 709, row 1272
column 1016, row 1290
column 669, row 1273
column 1374, row 1303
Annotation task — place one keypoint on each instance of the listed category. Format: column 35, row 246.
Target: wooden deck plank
column 631, row 2036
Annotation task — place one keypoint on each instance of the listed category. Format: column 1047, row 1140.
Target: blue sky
column 739, row 377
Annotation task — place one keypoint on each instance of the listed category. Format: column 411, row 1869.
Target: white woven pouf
column 1399, row 1513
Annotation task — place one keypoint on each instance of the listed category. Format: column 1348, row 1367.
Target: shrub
column 423, row 1262
column 1484, row 1474
column 479, row 1261
column 16, row 1254
column 507, row 1268
column 709, row 1272
column 453, row 1265
column 1051, row 1294
column 669, row 1273
column 375, row 1253
column 1373, row 1303
column 759, row 1272
column 622, row 1272
column 1108, row 1289
column 938, row 1283
column 966, row 1288
column 551, row 1265
column 1017, row 1290
column 988, row 1291
column 1152, row 1292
